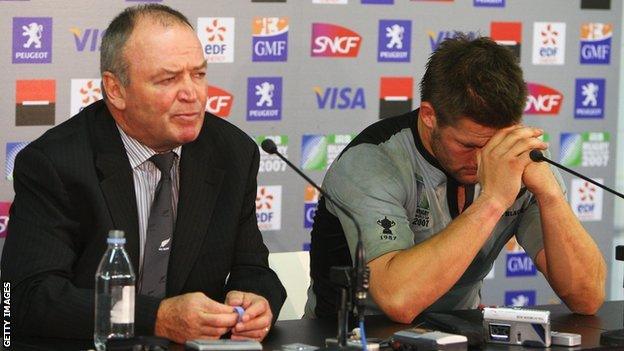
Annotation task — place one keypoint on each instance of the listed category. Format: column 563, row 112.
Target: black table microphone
column 361, row 271
column 611, row 337
column 537, row 156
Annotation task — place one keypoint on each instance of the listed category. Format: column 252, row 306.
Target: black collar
column 451, row 183
column 421, row 147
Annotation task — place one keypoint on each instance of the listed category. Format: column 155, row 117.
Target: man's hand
column 191, row 316
column 257, row 318
column 540, row 180
column 503, row 160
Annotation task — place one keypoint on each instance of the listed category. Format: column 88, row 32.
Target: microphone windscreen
column 268, row 145
column 536, row 155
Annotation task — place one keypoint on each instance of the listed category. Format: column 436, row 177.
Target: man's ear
column 114, row 90
column 427, row 115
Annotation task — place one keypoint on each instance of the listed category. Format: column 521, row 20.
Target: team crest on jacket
column 422, row 218
column 386, row 224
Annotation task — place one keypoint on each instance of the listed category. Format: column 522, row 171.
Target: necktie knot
column 164, row 162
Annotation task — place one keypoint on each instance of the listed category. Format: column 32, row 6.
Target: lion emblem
column 33, row 31
column 265, row 91
column 395, row 33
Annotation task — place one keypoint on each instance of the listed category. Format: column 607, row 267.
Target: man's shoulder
column 367, row 167
column 382, row 150
column 224, row 134
column 383, row 130
column 71, row 133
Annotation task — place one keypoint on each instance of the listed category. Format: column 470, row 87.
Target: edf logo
column 520, row 265
column 549, row 43
column 217, row 38
column 269, row 207
column 329, row 40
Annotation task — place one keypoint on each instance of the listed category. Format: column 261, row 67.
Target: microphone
column 361, row 271
column 268, row 145
column 537, row 156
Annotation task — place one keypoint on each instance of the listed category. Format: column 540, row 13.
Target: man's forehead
column 467, row 131
column 148, row 30
column 152, row 39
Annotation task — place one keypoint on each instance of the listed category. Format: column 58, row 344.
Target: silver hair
column 112, row 58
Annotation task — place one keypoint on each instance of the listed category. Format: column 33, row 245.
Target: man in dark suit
column 86, row 176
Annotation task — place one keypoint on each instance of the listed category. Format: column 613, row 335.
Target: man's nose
column 188, row 90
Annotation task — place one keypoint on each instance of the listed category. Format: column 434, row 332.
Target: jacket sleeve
column 41, row 249
column 251, row 271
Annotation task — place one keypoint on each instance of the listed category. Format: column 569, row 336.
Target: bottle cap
column 116, row 237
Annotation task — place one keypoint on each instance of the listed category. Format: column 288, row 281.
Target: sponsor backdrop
column 311, row 74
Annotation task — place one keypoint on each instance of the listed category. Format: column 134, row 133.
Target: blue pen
column 240, row 311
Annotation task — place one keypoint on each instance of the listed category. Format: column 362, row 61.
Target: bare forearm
column 574, row 266
column 433, row 266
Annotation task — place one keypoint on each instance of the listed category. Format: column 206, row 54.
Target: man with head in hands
column 100, row 170
column 439, row 191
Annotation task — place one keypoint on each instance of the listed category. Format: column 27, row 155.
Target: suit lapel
column 200, row 183
column 116, row 181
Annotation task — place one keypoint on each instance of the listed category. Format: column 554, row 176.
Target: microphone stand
column 352, row 298
column 537, row 156
column 611, row 337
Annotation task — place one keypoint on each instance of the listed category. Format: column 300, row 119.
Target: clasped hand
column 196, row 316
column 504, row 164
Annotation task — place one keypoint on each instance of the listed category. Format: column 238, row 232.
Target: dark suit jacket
column 75, row 183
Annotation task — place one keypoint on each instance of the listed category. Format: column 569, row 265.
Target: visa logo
column 436, row 39
column 542, row 100
column 89, row 39
column 331, row 40
column 340, row 98
column 520, row 264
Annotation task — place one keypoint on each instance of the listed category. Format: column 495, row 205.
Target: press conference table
column 314, row 332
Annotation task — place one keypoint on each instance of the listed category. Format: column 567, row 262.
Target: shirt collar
column 137, row 152
column 422, row 150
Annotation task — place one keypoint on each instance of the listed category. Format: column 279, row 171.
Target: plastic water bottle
column 114, row 293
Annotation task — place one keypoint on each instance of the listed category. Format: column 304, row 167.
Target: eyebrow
column 203, row 65
column 470, row 144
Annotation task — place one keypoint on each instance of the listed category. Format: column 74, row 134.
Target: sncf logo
column 329, row 40
column 219, row 101
column 542, row 100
